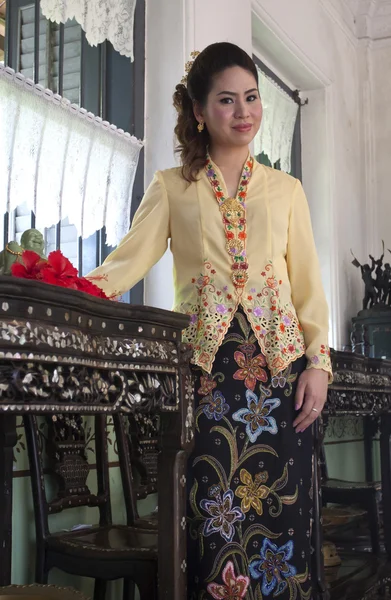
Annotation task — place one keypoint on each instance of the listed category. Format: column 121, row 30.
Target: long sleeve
column 307, row 290
column 142, row 247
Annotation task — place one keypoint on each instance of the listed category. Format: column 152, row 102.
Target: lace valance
column 62, row 161
column 278, row 123
column 102, row 20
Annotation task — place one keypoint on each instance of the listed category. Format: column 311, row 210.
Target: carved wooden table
column 48, row 334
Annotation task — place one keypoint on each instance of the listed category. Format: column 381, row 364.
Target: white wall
column 313, row 48
column 381, row 82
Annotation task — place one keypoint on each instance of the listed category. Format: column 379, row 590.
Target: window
column 97, row 78
column 296, row 170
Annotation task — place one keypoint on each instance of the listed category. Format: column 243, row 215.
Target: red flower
column 59, row 271
column 230, row 235
column 213, row 271
column 219, row 194
column 242, row 194
column 250, row 369
column 282, row 327
column 56, row 270
column 234, row 588
column 242, row 235
column 30, row 267
column 229, row 296
column 249, row 298
column 214, row 182
column 86, row 286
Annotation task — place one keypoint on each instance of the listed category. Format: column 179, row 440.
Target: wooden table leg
column 385, row 459
column 172, row 525
column 7, row 442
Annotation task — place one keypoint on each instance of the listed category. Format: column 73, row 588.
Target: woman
column 246, row 271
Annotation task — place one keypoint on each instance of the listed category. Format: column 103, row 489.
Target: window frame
column 296, row 158
column 106, row 77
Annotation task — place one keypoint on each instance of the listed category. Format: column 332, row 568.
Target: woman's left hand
column 311, row 396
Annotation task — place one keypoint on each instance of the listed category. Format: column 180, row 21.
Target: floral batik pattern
column 249, row 478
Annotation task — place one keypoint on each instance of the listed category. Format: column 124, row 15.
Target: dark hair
column 192, row 145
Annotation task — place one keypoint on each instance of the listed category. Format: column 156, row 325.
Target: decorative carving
column 33, row 385
column 66, row 449
column 189, row 398
column 38, row 335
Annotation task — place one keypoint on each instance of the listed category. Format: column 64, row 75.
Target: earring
column 200, row 127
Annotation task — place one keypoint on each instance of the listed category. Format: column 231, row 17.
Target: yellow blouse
column 283, row 297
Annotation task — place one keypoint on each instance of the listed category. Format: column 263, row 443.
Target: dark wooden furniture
column 40, row 592
column 104, row 551
column 64, row 352
column 366, row 494
column 362, row 387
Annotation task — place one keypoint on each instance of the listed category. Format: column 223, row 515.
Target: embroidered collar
column 233, row 212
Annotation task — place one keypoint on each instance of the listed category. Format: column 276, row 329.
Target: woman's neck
column 228, row 158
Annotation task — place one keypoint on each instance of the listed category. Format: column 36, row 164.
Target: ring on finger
column 315, row 410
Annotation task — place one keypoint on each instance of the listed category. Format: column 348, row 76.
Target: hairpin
column 189, row 65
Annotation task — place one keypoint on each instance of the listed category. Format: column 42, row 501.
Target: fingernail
column 297, row 406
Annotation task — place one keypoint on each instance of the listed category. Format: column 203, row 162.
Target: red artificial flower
column 86, row 286
column 56, row 270
column 30, row 267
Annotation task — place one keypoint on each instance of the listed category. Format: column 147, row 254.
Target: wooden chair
column 366, row 494
column 104, row 551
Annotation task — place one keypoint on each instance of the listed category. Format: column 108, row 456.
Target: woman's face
column 233, row 111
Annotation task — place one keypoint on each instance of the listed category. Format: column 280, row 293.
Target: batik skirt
column 249, row 479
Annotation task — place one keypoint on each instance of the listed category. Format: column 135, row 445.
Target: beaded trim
column 12, row 252
column 233, row 212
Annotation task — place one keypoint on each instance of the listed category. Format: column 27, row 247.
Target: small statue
column 370, row 297
column 386, row 285
column 379, row 274
column 31, row 239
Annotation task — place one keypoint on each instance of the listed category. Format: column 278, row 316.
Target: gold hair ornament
column 189, row 65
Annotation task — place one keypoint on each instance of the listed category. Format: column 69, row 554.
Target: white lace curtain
column 278, row 123
column 62, row 161
column 101, row 20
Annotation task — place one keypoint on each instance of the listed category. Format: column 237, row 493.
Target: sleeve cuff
column 322, row 361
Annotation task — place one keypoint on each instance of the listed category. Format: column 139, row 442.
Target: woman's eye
column 252, row 98
column 226, row 100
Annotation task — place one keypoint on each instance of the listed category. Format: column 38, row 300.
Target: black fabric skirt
column 249, row 478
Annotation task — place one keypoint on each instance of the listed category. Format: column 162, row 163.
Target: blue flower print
column 273, row 566
column 256, row 415
column 223, row 515
column 215, row 407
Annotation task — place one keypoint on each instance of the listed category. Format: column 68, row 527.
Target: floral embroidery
column 250, row 368
column 234, row 588
column 275, row 325
column 256, row 415
column 233, row 212
column 273, row 566
column 252, row 492
column 223, row 514
column 215, row 406
column 207, row 385
column 321, row 360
